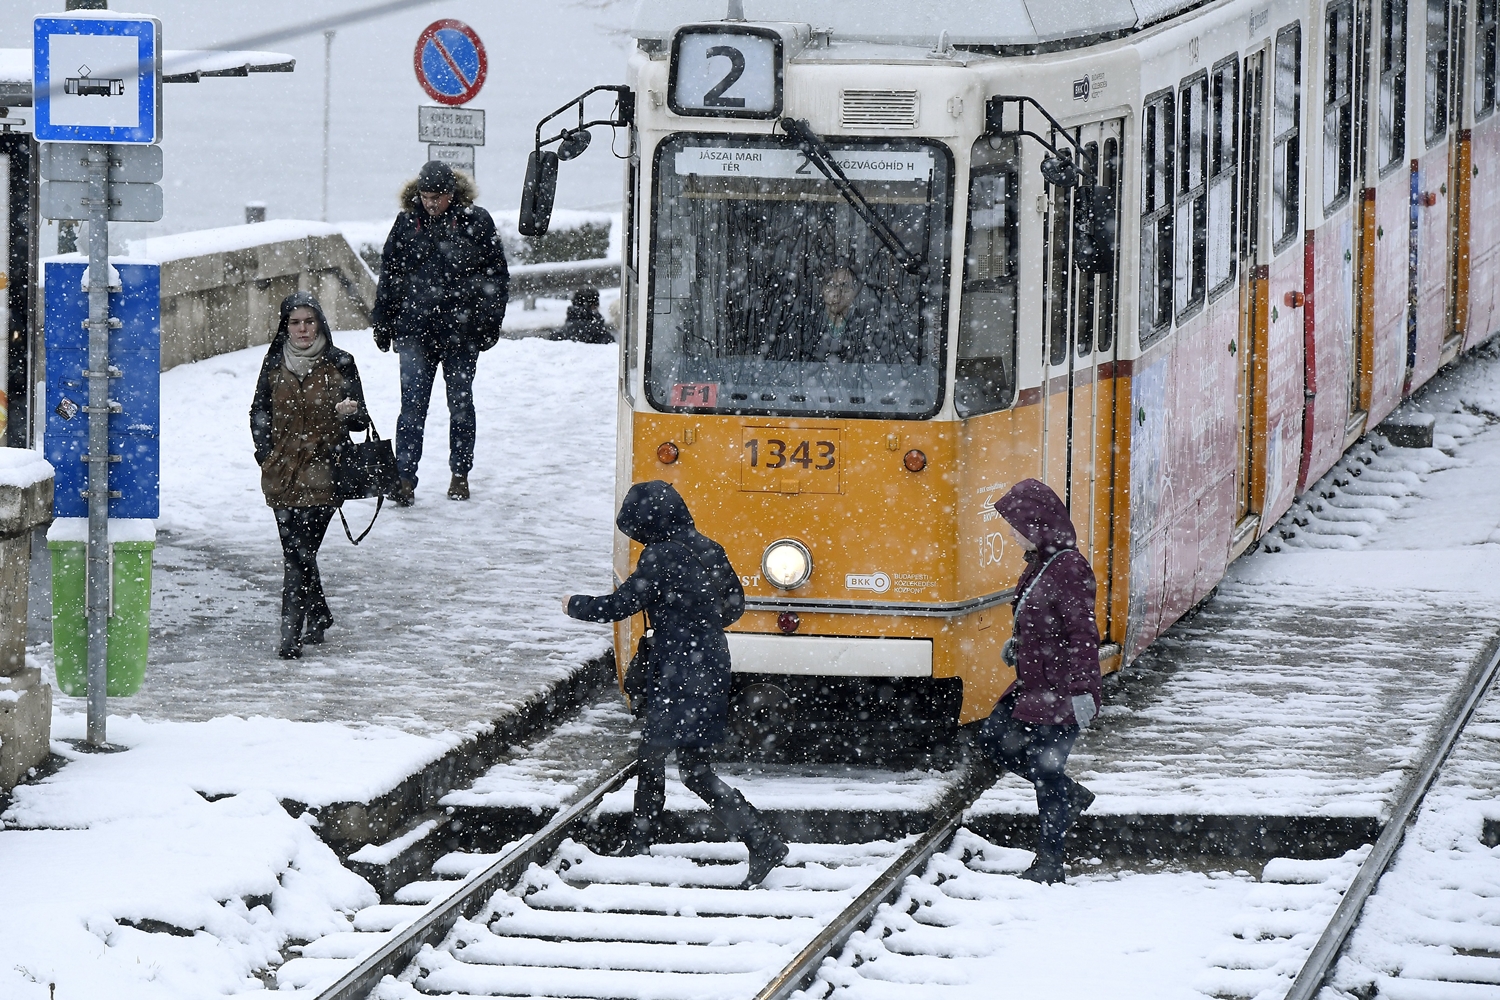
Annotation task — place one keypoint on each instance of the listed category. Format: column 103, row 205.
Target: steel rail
column 1456, row 715
column 431, row 927
column 858, row 913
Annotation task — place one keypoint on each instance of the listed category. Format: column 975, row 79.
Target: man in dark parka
column 690, row 593
column 1055, row 650
column 441, row 299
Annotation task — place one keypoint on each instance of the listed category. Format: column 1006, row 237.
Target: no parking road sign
column 450, row 62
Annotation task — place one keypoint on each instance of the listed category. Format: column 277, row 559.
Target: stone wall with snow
column 221, row 289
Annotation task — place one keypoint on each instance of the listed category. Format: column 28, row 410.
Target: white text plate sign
column 790, row 164
column 726, row 73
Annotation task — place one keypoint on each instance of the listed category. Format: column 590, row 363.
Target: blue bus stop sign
column 97, row 79
column 135, row 353
column 450, row 62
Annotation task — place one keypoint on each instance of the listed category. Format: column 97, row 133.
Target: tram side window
column 1286, row 148
column 1192, row 194
column 1109, row 178
column 1223, row 157
column 630, row 354
column 1392, row 83
column 1157, row 152
column 1338, row 105
column 1486, row 34
column 1437, row 72
column 985, row 378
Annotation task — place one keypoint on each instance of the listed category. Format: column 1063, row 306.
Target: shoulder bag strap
column 379, row 501
column 1020, row 601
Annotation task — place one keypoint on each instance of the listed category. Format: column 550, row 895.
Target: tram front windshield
column 770, row 294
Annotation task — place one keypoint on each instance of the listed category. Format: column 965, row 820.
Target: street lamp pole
column 327, row 110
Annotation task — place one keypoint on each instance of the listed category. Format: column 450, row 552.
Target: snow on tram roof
column 901, row 22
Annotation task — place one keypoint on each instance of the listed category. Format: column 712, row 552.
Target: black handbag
column 364, row 469
column 638, row 675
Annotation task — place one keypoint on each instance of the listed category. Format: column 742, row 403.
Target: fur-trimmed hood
column 464, row 193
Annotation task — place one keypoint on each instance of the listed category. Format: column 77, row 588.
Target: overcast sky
column 229, row 141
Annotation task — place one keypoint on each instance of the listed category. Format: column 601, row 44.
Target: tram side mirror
column 573, row 144
column 1094, row 229
column 538, row 193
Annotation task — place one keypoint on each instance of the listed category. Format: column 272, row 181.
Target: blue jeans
column 420, row 358
column 1038, row 753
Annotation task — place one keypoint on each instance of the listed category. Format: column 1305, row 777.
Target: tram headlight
column 787, row 564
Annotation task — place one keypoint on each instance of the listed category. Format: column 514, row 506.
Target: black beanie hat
column 436, row 178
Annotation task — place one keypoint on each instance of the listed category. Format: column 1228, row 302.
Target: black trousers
column 1038, row 753
column 740, row 818
column 302, row 601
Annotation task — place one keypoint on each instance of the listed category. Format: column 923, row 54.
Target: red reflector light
column 914, row 461
column 666, row 453
column 788, row 621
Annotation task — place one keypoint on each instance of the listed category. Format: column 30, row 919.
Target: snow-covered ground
column 170, row 870
column 448, row 614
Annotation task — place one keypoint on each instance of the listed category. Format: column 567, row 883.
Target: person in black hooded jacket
column 307, row 400
column 441, row 299
column 690, row 594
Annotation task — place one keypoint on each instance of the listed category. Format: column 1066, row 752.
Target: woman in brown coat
column 307, row 401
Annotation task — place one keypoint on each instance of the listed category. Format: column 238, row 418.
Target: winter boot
column 766, row 852
column 458, row 487
column 1079, row 799
column 638, row 840
column 1046, row 869
column 405, row 494
column 291, row 637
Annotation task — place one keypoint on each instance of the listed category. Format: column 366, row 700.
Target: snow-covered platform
column 448, row 616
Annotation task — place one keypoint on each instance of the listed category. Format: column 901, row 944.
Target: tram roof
column 901, row 22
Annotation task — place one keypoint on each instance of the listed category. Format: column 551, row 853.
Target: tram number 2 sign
column 726, row 71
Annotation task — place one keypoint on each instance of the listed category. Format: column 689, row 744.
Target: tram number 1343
column 772, row 453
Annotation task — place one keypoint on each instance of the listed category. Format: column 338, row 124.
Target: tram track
column 550, row 917
column 1447, row 979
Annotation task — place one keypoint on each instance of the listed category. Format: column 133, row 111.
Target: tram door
column 1254, row 295
column 1079, row 345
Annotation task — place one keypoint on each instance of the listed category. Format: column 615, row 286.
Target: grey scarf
column 300, row 361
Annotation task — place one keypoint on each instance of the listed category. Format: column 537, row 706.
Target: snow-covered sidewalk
column 448, row 614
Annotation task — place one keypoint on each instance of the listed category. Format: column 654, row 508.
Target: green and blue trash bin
column 131, row 543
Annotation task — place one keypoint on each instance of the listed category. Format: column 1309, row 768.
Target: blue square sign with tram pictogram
column 97, row 78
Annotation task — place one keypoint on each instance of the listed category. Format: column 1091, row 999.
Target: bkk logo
column 878, row 582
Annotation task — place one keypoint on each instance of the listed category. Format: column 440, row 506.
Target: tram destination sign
column 450, row 126
column 791, row 164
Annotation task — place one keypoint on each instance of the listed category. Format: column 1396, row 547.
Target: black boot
column 766, row 852
column 1079, row 799
column 638, row 839
column 1046, row 869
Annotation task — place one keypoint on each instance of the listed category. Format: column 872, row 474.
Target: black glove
column 488, row 338
column 1008, row 652
column 383, row 338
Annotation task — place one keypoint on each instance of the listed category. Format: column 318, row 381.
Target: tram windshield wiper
column 818, row 153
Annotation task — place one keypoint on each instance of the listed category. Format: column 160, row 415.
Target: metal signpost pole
column 98, row 456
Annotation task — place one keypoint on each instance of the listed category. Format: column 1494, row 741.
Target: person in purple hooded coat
column 1055, row 651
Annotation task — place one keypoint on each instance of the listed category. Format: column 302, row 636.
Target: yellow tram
column 884, row 260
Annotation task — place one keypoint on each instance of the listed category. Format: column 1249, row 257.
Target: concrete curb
column 348, row 826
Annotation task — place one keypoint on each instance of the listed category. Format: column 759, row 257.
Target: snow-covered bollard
column 25, row 702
